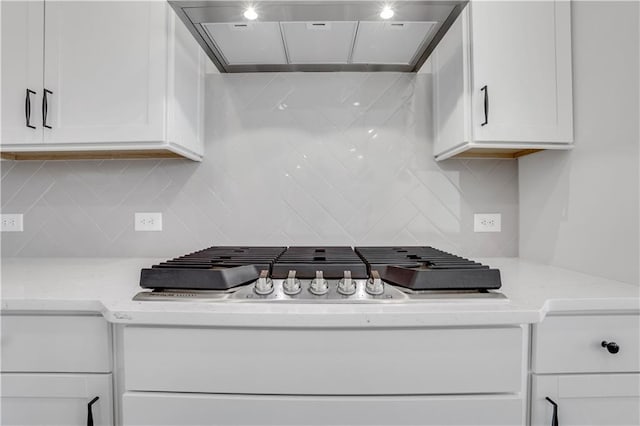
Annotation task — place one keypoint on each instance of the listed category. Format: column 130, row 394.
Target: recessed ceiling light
column 250, row 13
column 387, row 13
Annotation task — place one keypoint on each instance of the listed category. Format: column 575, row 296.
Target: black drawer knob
column 612, row 347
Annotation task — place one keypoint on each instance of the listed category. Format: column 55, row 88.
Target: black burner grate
column 427, row 268
column 417, row 268
column 332, row 261
column 214, row 268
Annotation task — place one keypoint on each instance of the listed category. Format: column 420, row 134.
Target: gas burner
column 319, row 275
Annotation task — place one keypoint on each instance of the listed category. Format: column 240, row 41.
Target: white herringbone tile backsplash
column 330, row 158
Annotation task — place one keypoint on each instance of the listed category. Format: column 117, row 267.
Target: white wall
column 579, row 209
column 347, row 158
column 291, row 158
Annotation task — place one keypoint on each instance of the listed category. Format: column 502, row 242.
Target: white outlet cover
column 148, row 221
column 12, row 222
column 487, row 222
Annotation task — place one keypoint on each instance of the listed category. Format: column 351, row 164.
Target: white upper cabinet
column 248, row 42
column 115, row 79
column 319, row 42
column 114, row 90
column 389, row 42
column 22, row 45
column 502, row 80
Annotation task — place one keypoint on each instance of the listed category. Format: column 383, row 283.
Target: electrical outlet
column 12, row 222
column 148, row 221
column 487, row 222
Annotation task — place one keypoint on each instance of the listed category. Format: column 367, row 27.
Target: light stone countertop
column 107, row 285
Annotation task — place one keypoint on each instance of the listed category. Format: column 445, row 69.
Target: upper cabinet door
column 521, row 73
column 450, row 65
column 22, row 38
column 105, row 71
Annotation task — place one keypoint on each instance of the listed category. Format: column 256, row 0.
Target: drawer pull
column 612, row 347
column 27, row 108
column 90, row 411
column 554, row 419
column 45, row 108
column 486, row 105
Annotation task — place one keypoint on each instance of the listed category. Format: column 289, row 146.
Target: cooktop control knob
column 375, row 287
column 264, row 285
column 346, row 286
column 319, row 285
column 291, row 284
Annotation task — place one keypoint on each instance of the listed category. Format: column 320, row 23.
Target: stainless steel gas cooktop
column 319, row 275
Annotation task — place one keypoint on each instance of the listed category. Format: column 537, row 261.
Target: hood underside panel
column 317, row 36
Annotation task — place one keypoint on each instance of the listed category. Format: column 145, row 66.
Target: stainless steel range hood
column 317, row 35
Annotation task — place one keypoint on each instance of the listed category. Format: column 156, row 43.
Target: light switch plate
column 487, row 222
column 148, row 221
column 12, row 222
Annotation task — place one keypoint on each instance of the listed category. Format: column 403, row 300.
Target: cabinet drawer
column 50, row 343
column 572, row 344
column 323, row 362
column 586, row 399
column 55, row 399
column 154, row 409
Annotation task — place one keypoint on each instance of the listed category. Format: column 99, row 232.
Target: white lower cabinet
column 573, row 344
column 56, row 399
column 586, row 399
column 54, row 366
column 55, row 343
column 141, row 408
column 319, row 376
column 588, row 366
column 445, row 360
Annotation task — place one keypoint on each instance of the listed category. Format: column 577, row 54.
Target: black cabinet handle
column 90, row 411
column 27, row 108
column 612, row 347
column 45, row 108
column 554, row 419
column 486, row 105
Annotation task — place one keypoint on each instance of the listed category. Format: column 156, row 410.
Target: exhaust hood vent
column 319, row 42
column 248, row 42
column 390, row 42
column 318, row 36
